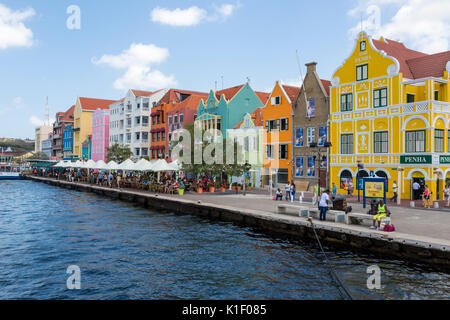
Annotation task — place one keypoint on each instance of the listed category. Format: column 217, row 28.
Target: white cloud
column 16, row 104
column 191, row 16
column 179, row 17
column 421, row 24
column 137, row 61
column 37, row 122
column 13, row 32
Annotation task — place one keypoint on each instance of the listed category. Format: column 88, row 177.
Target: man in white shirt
column 323, row 205
column 416, row 188
column 395, row 191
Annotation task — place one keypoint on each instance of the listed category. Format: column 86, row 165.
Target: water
column 127, row 252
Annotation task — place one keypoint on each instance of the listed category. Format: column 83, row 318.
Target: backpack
column 389, row 228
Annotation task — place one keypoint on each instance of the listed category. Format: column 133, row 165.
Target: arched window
column 383, row 175
column 346, row 177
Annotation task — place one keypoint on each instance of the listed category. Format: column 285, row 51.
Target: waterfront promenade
column 421, row 234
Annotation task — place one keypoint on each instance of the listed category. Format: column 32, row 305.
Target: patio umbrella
column 89, row 164
column 127, row 165
column 162, row 165
column 100, row 165
column 143, row 165
column 175, row 165
column 112, row 165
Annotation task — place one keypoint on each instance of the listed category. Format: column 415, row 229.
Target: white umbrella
column 175, row 165
column 89, row 164
column 161, row 165
column 100, row 165
column 59, row 164
column 112, row 165
column 127, row 165
column 77, row 164
column 143, row 165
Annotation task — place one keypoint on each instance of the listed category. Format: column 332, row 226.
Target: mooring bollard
column 436, row 205
column 412, row 204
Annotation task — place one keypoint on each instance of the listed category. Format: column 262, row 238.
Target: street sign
column 374, row 188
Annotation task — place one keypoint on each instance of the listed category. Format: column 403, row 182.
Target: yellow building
column 84, row 108
column 390, row 112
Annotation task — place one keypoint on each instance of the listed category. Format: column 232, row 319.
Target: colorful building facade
column 47, row 145
column 277, row 115
column 310, row 117
column 390, row 113
column 86, row 146
column 84, row 108
column 100, row 134
column 62, row 120
column 224, row 109
column 249, row 134
column 68, row 142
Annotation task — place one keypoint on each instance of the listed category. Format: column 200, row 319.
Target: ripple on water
column 126, row 252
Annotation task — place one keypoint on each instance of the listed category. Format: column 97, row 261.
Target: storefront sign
column 419, row 159
column 444, row 160
column 374, row 188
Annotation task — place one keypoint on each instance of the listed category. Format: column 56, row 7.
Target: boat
column 8, row 170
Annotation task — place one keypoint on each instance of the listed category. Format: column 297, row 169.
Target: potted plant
column 239, row 187
column 199, row 187
column 234, row 186
column 223, row 187
column 211, row 187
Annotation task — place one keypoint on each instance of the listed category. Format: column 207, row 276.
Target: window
column 153, row 154
column 269, row 151
column 145, row 121
column 276, row 101
column 436, row 95
column 175, row 118
column 153, row 137
column 284, row 124
column 415, row 141
column 169, row 119
column 137, row 152
column 246, row 144
column 158, row 136
column 311, row 135
column 163, row 136
column 181, row 118
column 283, row 152
column 144, row 152
column 270, row 125
column 153, row 120
column 158, row 119
column 137, row 121
column 362, row 72
column 410, row 98
column 362, row 46
column 347, row 102
column 380, row 98
column 144, row 136
column 347, row 144
column 381, row 142
column 438, row 140
column 138, row 136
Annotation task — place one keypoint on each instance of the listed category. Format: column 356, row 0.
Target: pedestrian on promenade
column 293, row 191
column 79, row 175
column 426, row 197
column 416, row 190
column 447, row 195
column 118, row 180
column 323, row 205
column 110, row 179
column 334, row 190
column 316, row 195
column 279, row 195
column 382, row 213
column 350, row 188
column 395, row 190
column 288, row 192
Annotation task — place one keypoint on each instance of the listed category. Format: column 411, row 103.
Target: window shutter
column 278, row 124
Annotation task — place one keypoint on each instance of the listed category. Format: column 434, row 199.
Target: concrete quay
column 421, row 244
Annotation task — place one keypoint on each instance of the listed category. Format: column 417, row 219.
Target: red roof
column 175, row 95
column 326, row 85
column 263, row 96
column 141, row 93
column 229, row 93
column 94, row 104
column 429, row 66
column 291, row 91
column 257, row 117
column 400, row 52
column 68, row 115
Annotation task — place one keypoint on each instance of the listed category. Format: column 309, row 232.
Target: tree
column 118, row 153
column 39, row 156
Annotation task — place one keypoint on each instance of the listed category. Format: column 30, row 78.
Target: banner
column 299, row 137
column 311, row 108
column 322, row 136
column 299, row 167
column 311, row 167
column 374, row 189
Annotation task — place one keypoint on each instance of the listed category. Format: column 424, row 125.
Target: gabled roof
column 291, row 91
column 192, row 102
column 229, row 93
column 174, row 95
column 429, row 66
column 326, row 85
column 257, row 117
column 68, row 115
column 141, row 93
column 263, row 96
column 94, row 104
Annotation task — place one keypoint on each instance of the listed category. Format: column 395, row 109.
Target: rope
column 341, row 287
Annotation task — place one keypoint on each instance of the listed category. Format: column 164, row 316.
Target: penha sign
column 419, row 159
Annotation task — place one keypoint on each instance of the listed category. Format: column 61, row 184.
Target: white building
column 129, row 120
column 41, row 134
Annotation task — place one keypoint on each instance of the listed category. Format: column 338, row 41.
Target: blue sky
column 190, row 48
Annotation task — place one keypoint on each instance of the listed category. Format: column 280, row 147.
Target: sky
column 100, row 49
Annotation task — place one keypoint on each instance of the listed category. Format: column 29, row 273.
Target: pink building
column 100, row 134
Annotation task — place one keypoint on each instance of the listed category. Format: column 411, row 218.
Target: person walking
column 416, row 190
column 447, row 195
column 395, row 190
column 110, row 179
column 334, row 190
column 316, row 195
column 293, row 191
column 323, row 205
column 426, row 197
column 288, row 192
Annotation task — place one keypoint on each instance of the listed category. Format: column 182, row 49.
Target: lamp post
column 360, row 167
column 319, row 150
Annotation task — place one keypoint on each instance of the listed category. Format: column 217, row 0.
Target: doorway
column 416, row 194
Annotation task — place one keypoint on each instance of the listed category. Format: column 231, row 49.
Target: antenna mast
column 47, row 113
column 303, row 80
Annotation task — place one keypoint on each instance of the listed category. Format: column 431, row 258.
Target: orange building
column 277, row 115
column 173, row 103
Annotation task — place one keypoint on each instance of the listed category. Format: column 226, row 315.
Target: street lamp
column 360, row 167
column 314, row 145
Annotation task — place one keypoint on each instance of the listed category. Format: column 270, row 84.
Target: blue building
column 86, row 147
column 68, row 143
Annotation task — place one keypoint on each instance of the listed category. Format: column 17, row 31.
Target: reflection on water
column 127, row 252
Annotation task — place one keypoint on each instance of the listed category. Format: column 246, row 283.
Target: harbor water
column 128, row 252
